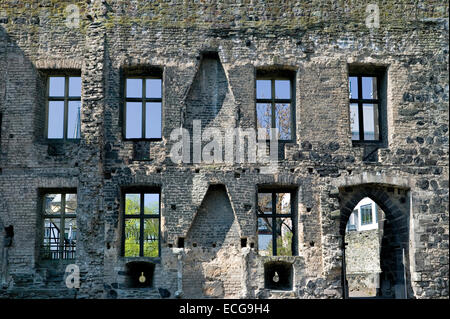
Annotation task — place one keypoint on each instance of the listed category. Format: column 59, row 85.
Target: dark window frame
column 360, row 101
column 274, row 215
column 62, row 217
column 141, row 216
column 66, row 99
column 272, row 76
column 143, row 100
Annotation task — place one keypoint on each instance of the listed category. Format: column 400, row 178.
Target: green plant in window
column 151, row 209
column 284, row 242
column 132, row 205
column 132, row 234
column 132, row 229
column 151, row 235
column 284, row 245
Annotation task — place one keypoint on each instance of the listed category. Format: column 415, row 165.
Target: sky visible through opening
column 57, row 108
column 370, row 111
column 135, row 109
column 134, row 113
column 282, row 110
column 153, row 109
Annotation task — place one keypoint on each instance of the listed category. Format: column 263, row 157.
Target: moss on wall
column 232, row 14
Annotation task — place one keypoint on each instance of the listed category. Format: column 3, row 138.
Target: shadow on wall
column 12, row 61
column 6, row 240
column 20, row 74
column 2, row 248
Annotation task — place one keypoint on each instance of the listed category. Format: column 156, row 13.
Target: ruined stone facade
column 220, row 46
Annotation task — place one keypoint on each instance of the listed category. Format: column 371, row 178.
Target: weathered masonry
column 91, row 93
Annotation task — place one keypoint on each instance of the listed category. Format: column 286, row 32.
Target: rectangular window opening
column 143, row 108
column 141, row 224
column 275, row 226
column 366, row 100
column 275, row 105
column 366, row 214
column 60, row 226
column 63, row 120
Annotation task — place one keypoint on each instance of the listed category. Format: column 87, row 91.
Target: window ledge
column 154, row 260
column 50, row 262
column 137, row 289
column 368, row 143
column 280, row 258
column 144, row 161
column 280, row 291
column 59, row 141
column 142, row 139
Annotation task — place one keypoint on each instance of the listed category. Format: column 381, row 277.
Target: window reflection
column 143, row 111
column 60, row 226
column 274, row 107
column 64, row 108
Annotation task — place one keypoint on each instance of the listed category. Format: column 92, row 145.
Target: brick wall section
column 317, row 39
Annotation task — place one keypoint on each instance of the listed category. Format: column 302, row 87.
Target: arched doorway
column 393, row 223
column 363, row 239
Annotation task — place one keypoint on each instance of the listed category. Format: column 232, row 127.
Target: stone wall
column 362, row 261
column 207, row 45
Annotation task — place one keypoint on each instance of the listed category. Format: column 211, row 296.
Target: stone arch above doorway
column 394, row 254
column 392, row 200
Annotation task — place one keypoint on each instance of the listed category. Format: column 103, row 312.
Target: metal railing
column 54, row 251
